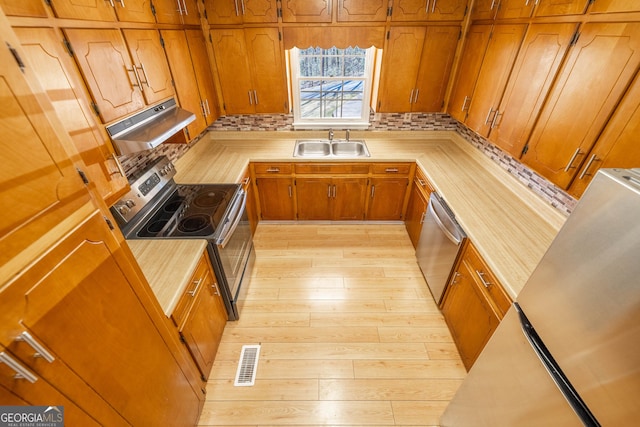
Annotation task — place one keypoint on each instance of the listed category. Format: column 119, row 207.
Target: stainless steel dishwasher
column 440, row 242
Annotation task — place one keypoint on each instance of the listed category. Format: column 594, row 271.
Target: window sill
column 330, row 125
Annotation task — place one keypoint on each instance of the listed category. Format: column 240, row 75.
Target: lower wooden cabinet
column 473, row 305
column 388, row 190
column 201, row 316
column 331, row 198
column 417, row 206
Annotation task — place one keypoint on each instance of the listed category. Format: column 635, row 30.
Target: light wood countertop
column 510, row 225
column 168, row 265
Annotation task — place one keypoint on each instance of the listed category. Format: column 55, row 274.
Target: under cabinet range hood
column 149, row 128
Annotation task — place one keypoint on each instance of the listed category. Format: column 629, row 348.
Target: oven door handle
column 230, row 226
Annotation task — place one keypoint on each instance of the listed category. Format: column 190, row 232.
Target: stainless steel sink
column 323, row 148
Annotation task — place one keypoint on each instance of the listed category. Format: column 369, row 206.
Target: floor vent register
column 247, row 366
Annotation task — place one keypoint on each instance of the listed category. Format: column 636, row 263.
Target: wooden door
column 94, row 10
column 259, row 11
column 59, row 77
column 349, row 195
column 276, row 198
column 447, row 10
column 438, row 53
column 41, row 188
column 400, row 64
column 84, row 294
column 617, row 146
column 543, row 50
column 204, row 75
column 135, row 11
column 190, row 12
column 108, row 71
column 150, row 60
column 596, row 73
column 409, row 10
column 223, row 12
column 33, row 8
column 168, row 11
column 496, row 66
column 314, row 197
column 609, row 6
column 475, row 46
column 184, row 77
column 386, row 198
column 359, row 11
column 230, row 51
column 266, row 61
column 512, row 9
column 484, row 9
column 416, row 210
column 561, row 7
column 306, row 10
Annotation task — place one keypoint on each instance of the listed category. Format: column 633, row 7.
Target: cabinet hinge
column 153, row 9
column 575, row 38
column 186, row 130
column 16, row 56
column 204, row 391
column 279, row 12
column 389, row 10
column 68, row 46
column 205, row 15
column 95, row 108
column 109, row 223
column 182, row 338
column 524, row 149
column 466, row 9
column 279, row 36
column 48, row 2
column 210, row 39
column 162, row 42
column 83, row 176
column 460, row 34
column 388, row 35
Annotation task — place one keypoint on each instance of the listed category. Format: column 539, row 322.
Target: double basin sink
column 318, row 148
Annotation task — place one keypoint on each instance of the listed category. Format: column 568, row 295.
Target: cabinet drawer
column 198, row 280
column 332, row 168
column 273, row 168
column 391, row 168
column 423, row 183
column 483, row 274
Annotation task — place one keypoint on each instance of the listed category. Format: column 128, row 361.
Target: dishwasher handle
column 435, row 200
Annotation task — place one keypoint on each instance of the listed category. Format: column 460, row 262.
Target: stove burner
column 209, row 199
column 193, row 223
column 156, row 226
column 172, row 206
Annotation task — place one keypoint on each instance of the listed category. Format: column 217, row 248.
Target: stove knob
column 130, row 203
column 124, row 210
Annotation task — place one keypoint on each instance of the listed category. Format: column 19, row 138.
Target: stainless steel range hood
column 149, row 128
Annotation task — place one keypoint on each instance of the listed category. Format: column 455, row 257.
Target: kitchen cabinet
column 610, row 6
column 131, row 11
column 428, row 10
column 473, row 304
column 617, row 146
column 561, row 7
column 201, row 316
column 416, row 68
column 202, row 67
column 32, row 8
column 417, row 206
column 177, row 12
column 388, row 190
column 60, row 79
column 501, row 9
column 593, row 79
column 542, row 52
column 251, row 70
column 119, row 85
column 241, row 11
column 359, row 11
column 275, row 185
column 306, row 10
column 492, row 77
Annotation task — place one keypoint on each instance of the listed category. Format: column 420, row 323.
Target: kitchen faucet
column 330, row 135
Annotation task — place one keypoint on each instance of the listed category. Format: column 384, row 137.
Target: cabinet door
column 438, row 53
column 314, row 197
column 108, row 70
column 409, row 10
column 135, row 11
column 400, row 64
column 58, row 76
column 416, row 210
column 276, row 198
column 202, row 67
column 369, row 11
column 259, row 11
column 223, row 12
column 536, row 66
column 230, row 51
column 561, row 7
column 595, row 75
column 177, row 12
column 617, row 146
column 95, row 10
column 475, row 46
column 33, row 8
column 484, row 9
column 150, row 60
column 386, row 198
column 306, row 10
column 349, row 196
column 446, row 10
column 511, row 9
column 494, row 72
column 268, row 72
column 608, row 6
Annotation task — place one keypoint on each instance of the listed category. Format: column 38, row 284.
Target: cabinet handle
column 118, row 165
column 112, row 3
column 235, row 3
column 290, row 192
column 426, row 7
column 566, row 169
column 373, row 191
column 121, row 3
column 206, row 102
column 482, row 279
column 184, row 7
column 255, row 97
column 424, row 215
column 454, row 279
column 216, row 291
column 464, row 103
column 203, row 108
column 334, row 191
column 493, row 3
column 135, row 74
column 328, row 191
column 433, row 6
column 495, row 121
column 144, row 72
column 21, row 371
column 179, row 7
column 391, row 170
column 273, row 170
column 242, row 4
column 415, row 99
column 411, row 96
column 246, row 181
column 586, row 168
column 195, row 289
column 486, row 120
column 40, row 351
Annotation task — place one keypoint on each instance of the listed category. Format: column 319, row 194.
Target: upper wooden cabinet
column 251, row 70
column 428, row 10
column 356, row 10
column 33, row 8
column 177, row 12
column 608, row 6
column 119, row 84
column 58, row 76
column 204, row 75
column 416, row 68
column 536, row 66
column 593, row 79
column 239, row 11
column 100, row 10
column 561, row 7
column 501, row 9
column 306, row 10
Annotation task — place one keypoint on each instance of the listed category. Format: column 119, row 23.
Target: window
column 331, row 87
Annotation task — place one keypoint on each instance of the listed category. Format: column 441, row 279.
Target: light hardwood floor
column 349, row 334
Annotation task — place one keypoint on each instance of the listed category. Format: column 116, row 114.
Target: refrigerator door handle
column 552, row 367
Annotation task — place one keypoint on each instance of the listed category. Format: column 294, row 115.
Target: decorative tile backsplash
column 379, row 121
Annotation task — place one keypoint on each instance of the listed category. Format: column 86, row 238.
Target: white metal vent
column 246, row 373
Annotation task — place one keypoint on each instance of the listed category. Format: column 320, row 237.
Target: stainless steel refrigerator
column 568, row 351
